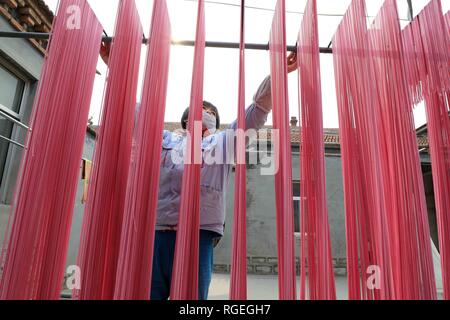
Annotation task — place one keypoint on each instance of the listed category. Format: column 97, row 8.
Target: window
column 12, row 131
column 6, row 127
column 11, row 90
column 296, row 193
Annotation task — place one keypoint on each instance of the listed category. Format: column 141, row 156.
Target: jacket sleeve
column 256, row 114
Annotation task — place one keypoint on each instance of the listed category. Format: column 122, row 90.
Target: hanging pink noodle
column 134, row 268
column 403, row 190
column 35, row 247
column 238, row 286
column 316, row 257
column 427, row 46
column 102, row 222
column 283, row 152
column 186, row 260
column 447, row 20
column 365, row 206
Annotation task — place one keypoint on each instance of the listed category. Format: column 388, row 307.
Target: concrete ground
column 266, row 287
column 262, row 287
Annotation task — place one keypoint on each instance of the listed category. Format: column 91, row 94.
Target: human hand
column 104, row 51
column 292, row 62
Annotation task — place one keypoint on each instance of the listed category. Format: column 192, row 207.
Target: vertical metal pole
column 410, row 10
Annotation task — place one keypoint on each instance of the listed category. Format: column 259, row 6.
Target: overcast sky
column 221, row 65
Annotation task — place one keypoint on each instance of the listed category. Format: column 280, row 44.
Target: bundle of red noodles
column 388, row 238
column 238, row 286
column 102, row 222
column 403, row 190
column 134, row 268
column 36, row 244
column 365, row 206
column 427, row 59
column 283, row 154
column 316, row 257
column 186, row 260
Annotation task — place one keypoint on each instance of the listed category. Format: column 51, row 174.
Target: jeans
column 163, row 257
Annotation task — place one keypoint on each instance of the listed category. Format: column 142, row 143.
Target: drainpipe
column 410, row 10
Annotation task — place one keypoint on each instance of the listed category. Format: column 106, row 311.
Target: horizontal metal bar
column 209, row 44
column 226, row 45
column 234, row 45
column 9, row 112
column 24, row 35
column 8, row 117
column 12, row 141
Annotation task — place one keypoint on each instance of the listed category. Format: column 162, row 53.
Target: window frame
column 297, row 198
column 16, row 118
column 5, row 64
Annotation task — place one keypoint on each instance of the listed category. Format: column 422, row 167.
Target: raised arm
column 256, row 114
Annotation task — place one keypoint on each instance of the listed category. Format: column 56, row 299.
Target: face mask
column 209, row 122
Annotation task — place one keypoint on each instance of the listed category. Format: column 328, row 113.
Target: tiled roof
column 330, row 137
column 28, row 16
column 45, row 8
